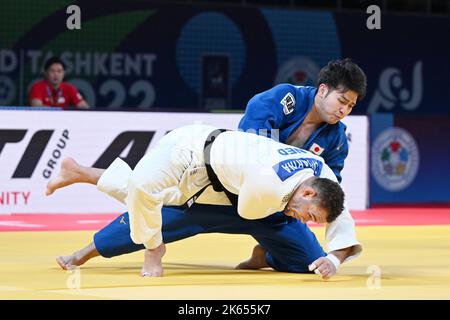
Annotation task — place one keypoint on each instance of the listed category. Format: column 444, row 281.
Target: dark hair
column 53, row 60
column 329, row 197
column 344, row 74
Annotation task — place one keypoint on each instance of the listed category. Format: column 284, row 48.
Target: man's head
column 340, row 85
column 54, row 71
column 316, row 199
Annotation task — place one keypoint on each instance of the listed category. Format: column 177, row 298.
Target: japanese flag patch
column 288, row 103
column 315, row 148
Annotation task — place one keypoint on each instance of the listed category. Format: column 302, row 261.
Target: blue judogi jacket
column 284, row 107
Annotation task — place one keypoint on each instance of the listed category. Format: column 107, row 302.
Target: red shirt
column 64, row 96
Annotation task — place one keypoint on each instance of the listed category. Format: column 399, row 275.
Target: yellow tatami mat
column 397, row 263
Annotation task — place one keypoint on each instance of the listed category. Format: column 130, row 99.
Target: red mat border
column 404, row 216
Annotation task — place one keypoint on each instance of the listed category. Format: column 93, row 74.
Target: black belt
column 215, row 182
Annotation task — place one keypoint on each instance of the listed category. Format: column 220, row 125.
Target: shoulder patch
column 288, row 103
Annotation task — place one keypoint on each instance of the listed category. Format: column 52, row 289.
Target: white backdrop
column 86, row 135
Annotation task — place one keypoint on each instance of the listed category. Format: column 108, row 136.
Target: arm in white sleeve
column 114, row 181
column 341, row 234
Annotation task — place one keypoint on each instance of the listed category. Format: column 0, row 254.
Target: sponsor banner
column 33, row 143
column 137, row 54
column 409, row 157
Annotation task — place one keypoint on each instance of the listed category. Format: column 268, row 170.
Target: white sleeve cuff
column 356, row 249
column 341, row 234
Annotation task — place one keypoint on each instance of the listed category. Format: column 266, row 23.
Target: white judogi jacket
column 264, row 173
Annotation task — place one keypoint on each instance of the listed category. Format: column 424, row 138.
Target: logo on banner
column 300, row 71
column 391, row 90
column 395, row 159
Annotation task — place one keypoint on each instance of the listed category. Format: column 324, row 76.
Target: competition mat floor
column 406, row 256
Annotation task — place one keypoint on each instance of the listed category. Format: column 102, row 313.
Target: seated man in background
column 52, row 91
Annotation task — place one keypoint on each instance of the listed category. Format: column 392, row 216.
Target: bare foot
column 256, row 261
column 70, row 173
column 152, row 264
column 69, row 262
column 78, row 258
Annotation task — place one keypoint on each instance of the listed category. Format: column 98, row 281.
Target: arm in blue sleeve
column 264, row 111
